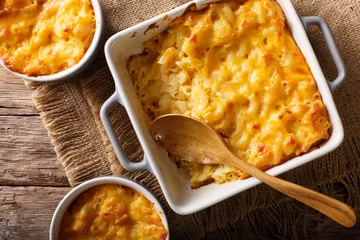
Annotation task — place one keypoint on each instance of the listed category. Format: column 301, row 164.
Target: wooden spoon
column 192, row 140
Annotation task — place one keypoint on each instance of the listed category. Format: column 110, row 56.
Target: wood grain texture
column 26, row 154
column 25, row 212
column 15, row 97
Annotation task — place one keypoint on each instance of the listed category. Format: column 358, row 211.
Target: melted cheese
column 112, row 212
column 43, row 37
column 236, row 67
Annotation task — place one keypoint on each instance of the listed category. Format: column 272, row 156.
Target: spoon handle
column 334, row 209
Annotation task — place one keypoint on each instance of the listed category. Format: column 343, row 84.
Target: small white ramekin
column 86, row 60
column 75, row 192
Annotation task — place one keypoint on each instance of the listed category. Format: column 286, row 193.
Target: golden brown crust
column 44, row 37
column 236, row 67
column 112, row 211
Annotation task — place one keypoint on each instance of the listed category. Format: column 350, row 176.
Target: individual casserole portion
column 44, row 37
column 112, row 211
column 234, row 66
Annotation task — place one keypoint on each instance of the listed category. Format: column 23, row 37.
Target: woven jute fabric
column 70, row 111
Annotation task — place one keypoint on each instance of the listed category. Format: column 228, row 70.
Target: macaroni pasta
column 44, row 37
column 236, row 67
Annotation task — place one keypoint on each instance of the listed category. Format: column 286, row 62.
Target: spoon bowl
column 189, row 139
column 182, row 137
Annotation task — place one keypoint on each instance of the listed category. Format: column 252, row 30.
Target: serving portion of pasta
column 44, row 37
column 235, row 66
column 112, row 211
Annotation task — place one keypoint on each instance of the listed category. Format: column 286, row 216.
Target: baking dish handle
column 125, row 162
column 334, row 51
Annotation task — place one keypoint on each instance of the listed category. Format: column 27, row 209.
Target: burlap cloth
column 70, row 111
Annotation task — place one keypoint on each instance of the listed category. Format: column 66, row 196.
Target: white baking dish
column 175, row 182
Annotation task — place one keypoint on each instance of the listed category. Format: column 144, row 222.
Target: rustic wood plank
column 25, row 212
column 15, row 97
column 26, row 154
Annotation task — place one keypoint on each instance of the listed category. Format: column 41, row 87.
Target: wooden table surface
column 32, row 182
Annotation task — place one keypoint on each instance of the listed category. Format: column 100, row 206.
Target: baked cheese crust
column 112, row 211
column 236, row 67
column 44, row 37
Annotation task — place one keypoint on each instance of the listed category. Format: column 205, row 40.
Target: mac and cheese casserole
column 112, row 211
column 235, row 66
column 44, row 37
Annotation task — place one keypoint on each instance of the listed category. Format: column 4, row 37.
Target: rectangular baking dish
column 175, row 182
